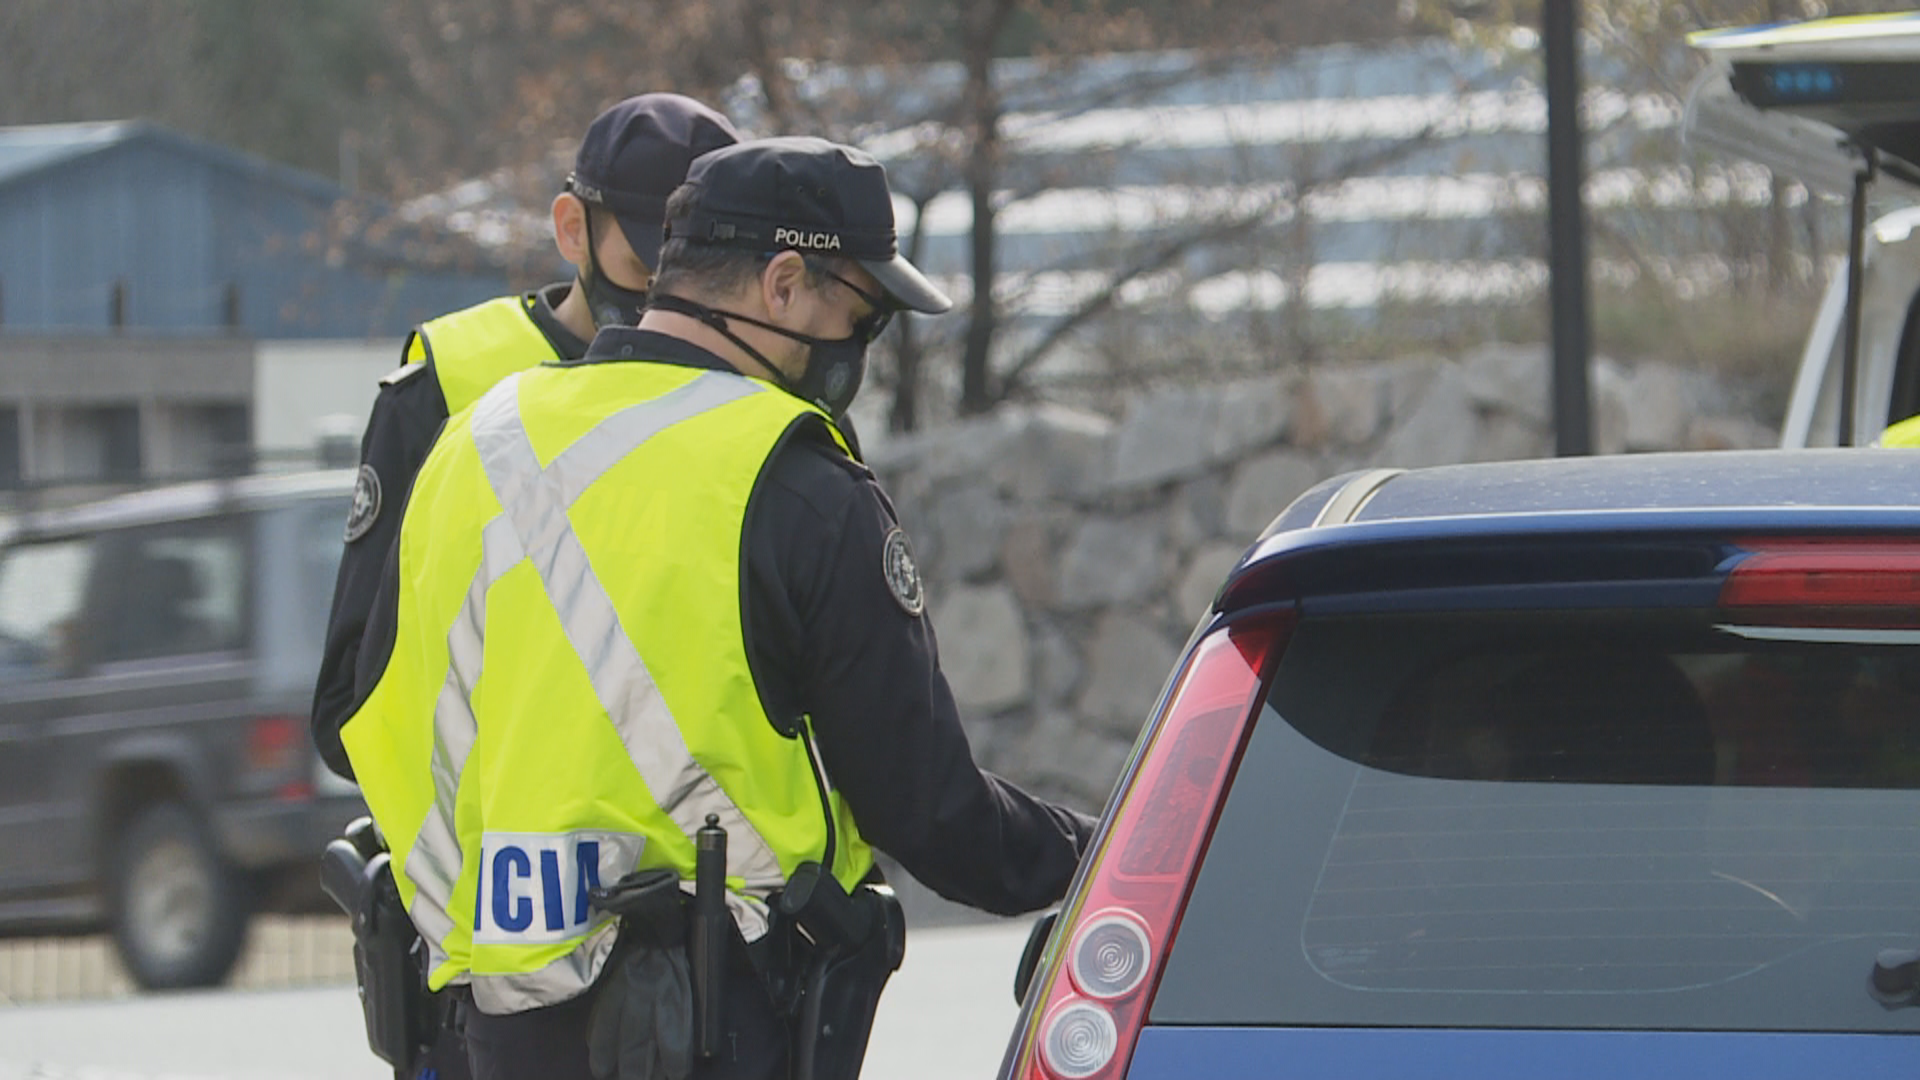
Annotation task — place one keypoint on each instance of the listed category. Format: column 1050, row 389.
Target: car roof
column 182, row 501
column 1816, row 489
column 1719, row 480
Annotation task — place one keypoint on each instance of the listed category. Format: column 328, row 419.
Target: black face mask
column 835, row 366
column 609, row 304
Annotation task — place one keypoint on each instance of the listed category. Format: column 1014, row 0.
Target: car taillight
column 273, row 743
column 1095, row 995
column 1840, row 582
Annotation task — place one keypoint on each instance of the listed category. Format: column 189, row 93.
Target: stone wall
column 1067, row 556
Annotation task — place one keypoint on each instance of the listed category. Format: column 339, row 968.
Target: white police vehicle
column 1835, row 104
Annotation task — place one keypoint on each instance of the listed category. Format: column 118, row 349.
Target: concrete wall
column 1067, row 556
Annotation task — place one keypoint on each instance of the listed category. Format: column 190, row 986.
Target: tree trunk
column 910, row 350
column 754, row 15
column 985, row 20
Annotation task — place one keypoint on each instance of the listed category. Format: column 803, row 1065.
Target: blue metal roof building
column 128, row 225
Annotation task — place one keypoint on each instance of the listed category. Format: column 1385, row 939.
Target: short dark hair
column 703, row 271
column 600, row 222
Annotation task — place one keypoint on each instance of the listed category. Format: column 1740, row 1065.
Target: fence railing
column 281, row 952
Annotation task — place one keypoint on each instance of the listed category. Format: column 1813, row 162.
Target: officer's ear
column 570, row 228
column 783, row 283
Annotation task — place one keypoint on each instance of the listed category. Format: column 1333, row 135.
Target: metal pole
column 1856, row 286
column 1567, row 231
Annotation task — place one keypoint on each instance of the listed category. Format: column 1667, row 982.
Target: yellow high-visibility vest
column 1906, row 433
column 568, row 695
column 474, row 348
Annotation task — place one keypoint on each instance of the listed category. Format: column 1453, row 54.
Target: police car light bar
column 1772, row 84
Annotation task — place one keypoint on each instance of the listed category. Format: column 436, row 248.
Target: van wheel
column 179, row 909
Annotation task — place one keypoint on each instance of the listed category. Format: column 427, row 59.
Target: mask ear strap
column 718, row 320
column 592, row 269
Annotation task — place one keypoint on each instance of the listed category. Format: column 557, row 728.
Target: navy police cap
column 807, row 195
column 636, row 153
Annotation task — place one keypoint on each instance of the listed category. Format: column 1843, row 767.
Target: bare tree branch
column 1167, row 252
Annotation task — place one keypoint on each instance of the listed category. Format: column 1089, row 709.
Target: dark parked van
column 157, row 657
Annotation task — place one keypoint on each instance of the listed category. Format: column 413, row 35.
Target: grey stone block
column 1202, row 578
column 1027, row 558
column 1057, row 667
column 1111, row 561
column 1062, row 756
column 1349, row 403
column 1164, row 437
column 1515, row 379
column 1439, row 428
column 983, row 647
column 1262, row 488
column 1127, row 663
column 970, row 521
column 1056, row 453
column 1658, row 404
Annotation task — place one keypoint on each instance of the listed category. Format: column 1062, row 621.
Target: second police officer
column 651, row 591
column 607, row 222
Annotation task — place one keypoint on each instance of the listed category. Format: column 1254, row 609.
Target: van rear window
column 1575, row 819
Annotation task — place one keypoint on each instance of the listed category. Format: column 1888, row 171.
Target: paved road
column 945, row 1016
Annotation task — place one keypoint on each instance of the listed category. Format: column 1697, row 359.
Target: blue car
column 1600, row 767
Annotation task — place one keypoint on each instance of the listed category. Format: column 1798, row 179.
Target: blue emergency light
column 1778, row 84
column 1807, row 82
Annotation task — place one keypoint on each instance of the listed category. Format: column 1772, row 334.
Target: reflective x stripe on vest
column 521, row 865
column 474, row 348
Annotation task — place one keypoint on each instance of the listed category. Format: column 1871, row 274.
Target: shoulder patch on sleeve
column 366, row 503
column 402, row 374
column 903, row 576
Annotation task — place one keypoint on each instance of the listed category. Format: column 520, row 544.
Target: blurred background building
column 171, row 308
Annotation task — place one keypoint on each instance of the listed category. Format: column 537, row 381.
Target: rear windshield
column 1605, row 820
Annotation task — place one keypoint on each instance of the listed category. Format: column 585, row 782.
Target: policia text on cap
column 647, row 605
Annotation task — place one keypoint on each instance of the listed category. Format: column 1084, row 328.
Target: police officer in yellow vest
column 607, row 222
column 652, row 590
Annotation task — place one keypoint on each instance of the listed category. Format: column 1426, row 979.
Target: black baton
column 708, row 932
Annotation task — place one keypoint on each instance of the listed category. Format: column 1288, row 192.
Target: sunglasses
column 873, row 323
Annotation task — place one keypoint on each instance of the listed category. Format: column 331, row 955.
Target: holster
column 839, row 951
column 642, row 1026
column 825, row 959
column 403, row 1018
